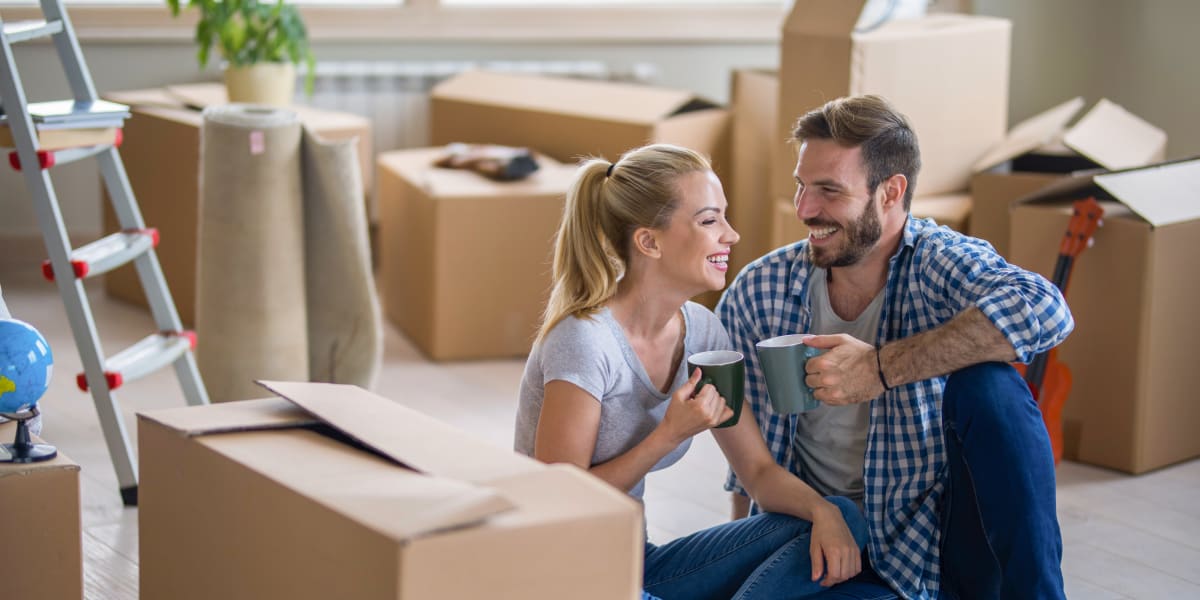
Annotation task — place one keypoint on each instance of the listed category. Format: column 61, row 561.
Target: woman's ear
column 645, row 242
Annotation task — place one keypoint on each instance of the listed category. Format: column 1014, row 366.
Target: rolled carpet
column 251, row 313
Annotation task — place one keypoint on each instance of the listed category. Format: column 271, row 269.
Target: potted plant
column 260, row 42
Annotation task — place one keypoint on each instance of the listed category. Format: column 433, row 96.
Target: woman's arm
column 570, row 424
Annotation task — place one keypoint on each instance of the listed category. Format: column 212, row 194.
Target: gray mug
column 783, row 359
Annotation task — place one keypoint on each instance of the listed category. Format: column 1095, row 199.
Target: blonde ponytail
column 605, row 204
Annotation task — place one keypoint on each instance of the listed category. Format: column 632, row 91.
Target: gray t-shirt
column 594, row 354
column 831, row 441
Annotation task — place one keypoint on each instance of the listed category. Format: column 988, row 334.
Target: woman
column 606, row 385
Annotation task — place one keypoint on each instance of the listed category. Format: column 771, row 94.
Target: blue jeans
column 1000, row 535
column 765, row 556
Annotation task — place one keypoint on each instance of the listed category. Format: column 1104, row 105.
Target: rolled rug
column 345, row 330
column 251, row 316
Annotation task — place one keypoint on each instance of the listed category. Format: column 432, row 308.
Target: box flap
column 411, row 438
column 1030, row 134
column 363, row 487
column 830, row 18
column 247, row 415
column 603, row 100
column 198, row 95
column 1162, row 194
column 1115, row 138
column 158, row 97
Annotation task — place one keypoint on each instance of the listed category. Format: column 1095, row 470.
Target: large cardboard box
column 161, row 153
column 1133, row 404
column 343, row 494
column 42, row 554
column 948, row 73
column 465, row 263
column 1041, row 149
column 756, row 135
column 570, row 118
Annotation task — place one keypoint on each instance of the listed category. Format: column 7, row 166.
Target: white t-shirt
column 594, row 354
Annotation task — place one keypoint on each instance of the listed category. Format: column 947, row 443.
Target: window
column 454, row 20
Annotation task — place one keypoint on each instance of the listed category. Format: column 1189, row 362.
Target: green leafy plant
column 247, row 32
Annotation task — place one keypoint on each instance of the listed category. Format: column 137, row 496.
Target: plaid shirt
column 935, row 274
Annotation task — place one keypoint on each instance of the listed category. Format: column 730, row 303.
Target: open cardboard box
column 42, row 554
column 756, row 136
column 465, row 262
column 335, row 492
column 571, row 118
column 1133, row 404
column 948, row 73
column 1042, row 149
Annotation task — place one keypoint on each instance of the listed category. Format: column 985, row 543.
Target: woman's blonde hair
column 605, row 204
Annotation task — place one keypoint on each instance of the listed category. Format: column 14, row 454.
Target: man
column 922, row 421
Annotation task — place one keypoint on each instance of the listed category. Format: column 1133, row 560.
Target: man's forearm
column 967, row 339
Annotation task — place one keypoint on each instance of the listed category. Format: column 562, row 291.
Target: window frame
column 429, row 20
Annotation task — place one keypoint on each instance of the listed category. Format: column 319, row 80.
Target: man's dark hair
column 889, row 145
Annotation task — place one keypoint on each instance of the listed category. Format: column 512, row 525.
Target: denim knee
column 984, row 391
column 854, row 518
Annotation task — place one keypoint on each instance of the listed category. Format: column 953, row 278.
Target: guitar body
column 1056, row 386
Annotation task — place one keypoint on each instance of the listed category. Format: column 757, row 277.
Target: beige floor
column 1125, row 537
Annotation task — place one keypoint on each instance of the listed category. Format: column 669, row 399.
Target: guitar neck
column 1036, row 371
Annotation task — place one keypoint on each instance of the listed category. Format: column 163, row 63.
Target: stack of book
column 67, row 123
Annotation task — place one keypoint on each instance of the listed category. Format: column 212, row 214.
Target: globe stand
column 23, row 450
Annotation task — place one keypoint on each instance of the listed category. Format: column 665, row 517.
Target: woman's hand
column 835, row 554
column 688, row 415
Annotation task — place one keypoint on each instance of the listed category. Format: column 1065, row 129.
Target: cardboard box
column 356, row 496
column 1133, row 404
column 569, row 118
column 42, row 554
column 951, row 210
column 465, row 263
column 161, row 153
column 1040, row 150
column 786, row 228
column 947, row 73
column 756, row 134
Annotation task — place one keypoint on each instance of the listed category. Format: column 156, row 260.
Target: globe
column 25, row 366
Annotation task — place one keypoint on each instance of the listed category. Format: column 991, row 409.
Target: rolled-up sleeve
column 1027, row 308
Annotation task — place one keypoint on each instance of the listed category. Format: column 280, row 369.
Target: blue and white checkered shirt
column 934, row 275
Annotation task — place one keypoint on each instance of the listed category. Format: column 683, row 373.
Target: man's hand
column 846, row 373
column 835, row 555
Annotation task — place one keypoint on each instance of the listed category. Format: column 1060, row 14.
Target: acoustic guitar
column 1050, row 380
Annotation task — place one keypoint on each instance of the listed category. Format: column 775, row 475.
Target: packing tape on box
column 251, row 317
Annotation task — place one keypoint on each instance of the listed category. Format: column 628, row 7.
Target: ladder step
column 20, row 31
column 51, row 158
column 150, row 354
column 107, row 253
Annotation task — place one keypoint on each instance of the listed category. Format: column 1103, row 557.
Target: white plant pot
column 263, row 83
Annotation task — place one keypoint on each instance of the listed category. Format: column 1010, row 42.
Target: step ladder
column 68, row 267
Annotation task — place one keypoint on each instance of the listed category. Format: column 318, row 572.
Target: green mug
column 783, row 361
column 726, row 371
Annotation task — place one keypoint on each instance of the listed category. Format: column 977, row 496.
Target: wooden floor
column 1124, row 537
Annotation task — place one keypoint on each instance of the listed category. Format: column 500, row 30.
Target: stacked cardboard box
column 568, row 119
column 1133, row 404
column 465, row 262
column 338, row 493
column 1042, row 149
column 161, row 153
column 42, row 554
column 948, row 73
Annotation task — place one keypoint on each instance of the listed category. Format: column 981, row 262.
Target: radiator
column 395, row 94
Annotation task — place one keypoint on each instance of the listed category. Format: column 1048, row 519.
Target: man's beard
column 860, row 237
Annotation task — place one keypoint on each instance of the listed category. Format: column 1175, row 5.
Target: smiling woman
column 466, row 20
